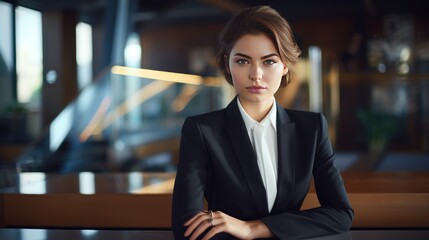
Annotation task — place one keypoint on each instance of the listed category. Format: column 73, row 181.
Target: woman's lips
column 256, row 89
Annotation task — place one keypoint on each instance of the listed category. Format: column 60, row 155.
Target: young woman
column 252, row 161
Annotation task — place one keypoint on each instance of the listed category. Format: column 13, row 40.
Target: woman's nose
column 255, row 73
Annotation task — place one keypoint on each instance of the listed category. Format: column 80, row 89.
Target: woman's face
column 256, row 69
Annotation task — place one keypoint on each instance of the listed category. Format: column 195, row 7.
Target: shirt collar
column 270, row 119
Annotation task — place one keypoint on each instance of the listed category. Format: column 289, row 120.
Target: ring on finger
column 211, row 222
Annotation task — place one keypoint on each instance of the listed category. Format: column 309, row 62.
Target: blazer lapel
column 246, row 156
column 286, row 136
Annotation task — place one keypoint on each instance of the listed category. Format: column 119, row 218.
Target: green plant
column 379, row 128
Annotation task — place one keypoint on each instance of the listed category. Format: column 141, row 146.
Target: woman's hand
column 218, row 222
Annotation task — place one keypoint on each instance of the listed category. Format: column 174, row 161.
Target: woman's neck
column 258, row 111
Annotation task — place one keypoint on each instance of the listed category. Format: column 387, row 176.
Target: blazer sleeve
column 335, row 214
column 188, row 193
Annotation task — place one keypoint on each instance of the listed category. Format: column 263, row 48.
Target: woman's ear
column 285, row 70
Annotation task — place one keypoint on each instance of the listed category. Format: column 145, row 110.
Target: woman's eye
column 242, row 61
column 270, row 62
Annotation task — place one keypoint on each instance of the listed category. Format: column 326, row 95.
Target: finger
column 196, row 222
column 217, row 226
column 200, row 229
column 215, row 230
column 193, row 218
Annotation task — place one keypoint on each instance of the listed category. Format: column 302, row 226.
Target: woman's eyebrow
column 263, row 57
column 270, row 55
column 243, row 55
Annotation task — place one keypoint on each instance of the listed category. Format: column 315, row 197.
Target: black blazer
column 217, row 161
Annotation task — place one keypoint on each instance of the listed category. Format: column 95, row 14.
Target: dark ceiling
column 301, row 8
column 176, row 11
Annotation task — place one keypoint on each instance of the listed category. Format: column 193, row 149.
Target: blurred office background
column 104, row 85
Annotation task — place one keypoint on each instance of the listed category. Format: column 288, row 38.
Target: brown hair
column 254, row 20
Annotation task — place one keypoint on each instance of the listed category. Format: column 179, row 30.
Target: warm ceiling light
column 158, row 75
column 167, row 76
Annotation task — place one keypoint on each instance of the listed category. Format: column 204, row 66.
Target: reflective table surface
column 86, row 234
column 93, row 183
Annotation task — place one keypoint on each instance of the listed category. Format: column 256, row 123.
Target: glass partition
column 128, row 120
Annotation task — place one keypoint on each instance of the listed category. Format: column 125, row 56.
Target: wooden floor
column 143, row 200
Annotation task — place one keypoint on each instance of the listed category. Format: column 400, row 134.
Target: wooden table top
column 139, row 200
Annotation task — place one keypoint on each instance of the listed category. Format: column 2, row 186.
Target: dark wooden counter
column 143, row 200
column 386, row 199
column 86, row 200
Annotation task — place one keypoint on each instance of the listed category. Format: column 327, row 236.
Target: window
column 84, row 54
column 29, row 59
